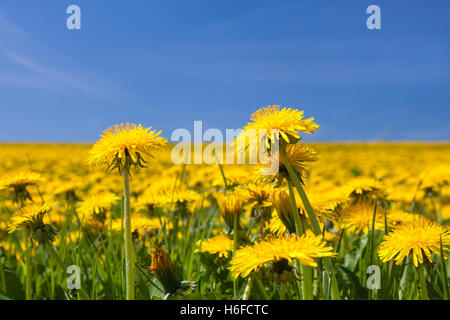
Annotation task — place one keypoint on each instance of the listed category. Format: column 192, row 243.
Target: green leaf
column 60, row 293
column 14, row 288
column 358, row 292
column 444, row 277
column 3, row 297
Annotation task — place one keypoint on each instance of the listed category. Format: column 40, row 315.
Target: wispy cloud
column 10, row 27
column 50, row 74
column 34, row 73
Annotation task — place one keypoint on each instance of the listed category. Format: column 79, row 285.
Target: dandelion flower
column 289, row 122
column 359, row 218
column 299, row 155
column 436, row 178
column 256, row 193
column 416, row 238
column 97, row 205
column 395, row 217
column 67, row 189
column 305, row 249
column 141, row 223
column 221, row 245
column 32, row 217
column 18, row 183
column 365, row 189
column 122, row 144
column 120, row 147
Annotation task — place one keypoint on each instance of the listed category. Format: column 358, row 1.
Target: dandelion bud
column 230, row 206
column 282, row 203
column 163, row 268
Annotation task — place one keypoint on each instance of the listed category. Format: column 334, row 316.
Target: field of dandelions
column 119, row 220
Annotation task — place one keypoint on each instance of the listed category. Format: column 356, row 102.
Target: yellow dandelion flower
column 18, row 183
column 141, row 223
column 359, row 218
column 67, row 189
column 445, row 212
column 97, row 205
column 221, row 245
column 180, row 196
column 416, row 238
column 148, row 201
column 32, row 217
column 289, row 122
column 256, row 193
column 276, row 226
column 305, row 249
column 122, row 144
column 365, row 189
column 395, row 217
column 436, row 177
column 299, row 155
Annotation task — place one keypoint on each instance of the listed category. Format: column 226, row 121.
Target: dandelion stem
column 439, row 211
column 27, row 243
column 422, row 283
column 248, row 289
column 235, row 245
column 404, row 280
column 129, row 253
column 306, row 284
column 2, row 277
column 282, row 290
column 335, row 295
column 259, row 286
column 223, row 174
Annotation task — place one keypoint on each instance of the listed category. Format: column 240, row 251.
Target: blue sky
column 167, row 63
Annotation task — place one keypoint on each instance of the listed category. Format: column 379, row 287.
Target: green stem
column 26, row 239
column 439, row 211
column 248, row 289
column 235, row 245
column 404, row 280
column 423, row 283
column 129, row 253
column 306, row 284
column 444, row 271
column 50, row 249
column 222, row 173
column 296, row 216
column 371, row 244
column 259, row 286
column 335, row 295
column 282, row 290
column 2, row 277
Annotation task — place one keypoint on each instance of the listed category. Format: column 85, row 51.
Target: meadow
column 222, row 232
